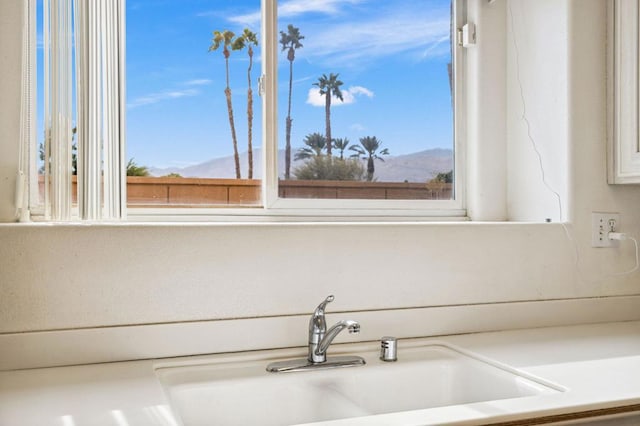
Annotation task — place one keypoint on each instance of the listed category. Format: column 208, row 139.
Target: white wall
column 10, row 72
column 587, row 99
column 58, row 277
column 486, row 96
column 537, row 115
column 64, row 277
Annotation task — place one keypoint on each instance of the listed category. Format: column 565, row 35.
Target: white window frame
column 289, row 209
column 624, row 92
column 318, row 206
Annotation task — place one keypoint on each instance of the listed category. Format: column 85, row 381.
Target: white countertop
column 598, row 364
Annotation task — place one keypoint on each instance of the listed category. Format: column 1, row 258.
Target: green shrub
column 443, row 177
column 323, row 167
column 134, row 169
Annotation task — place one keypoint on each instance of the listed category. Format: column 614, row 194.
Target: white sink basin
column 425, row 376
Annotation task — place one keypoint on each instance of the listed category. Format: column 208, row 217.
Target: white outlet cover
column 600, row 227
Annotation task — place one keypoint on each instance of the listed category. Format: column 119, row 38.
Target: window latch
column 261, row 85
column 466, row 36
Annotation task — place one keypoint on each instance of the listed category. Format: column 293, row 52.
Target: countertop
column 599, row 364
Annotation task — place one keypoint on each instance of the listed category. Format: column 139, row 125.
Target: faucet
column 320, row 338
column 319, row 341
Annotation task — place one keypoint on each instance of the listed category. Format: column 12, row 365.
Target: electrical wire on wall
column 550, row 188
column 621, row 236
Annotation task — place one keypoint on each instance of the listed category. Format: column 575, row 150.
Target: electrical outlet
column 601, row 225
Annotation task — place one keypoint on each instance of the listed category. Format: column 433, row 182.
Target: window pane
column 374, row 78
column 43, row 159
column 40, row 126
column 184, row 97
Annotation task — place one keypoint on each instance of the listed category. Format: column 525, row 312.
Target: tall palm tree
column 290, row 42
column 341, row 144
column 315, row 144
column 368, row 149
column 226, row 39
column 329, row 86
column 248, row 39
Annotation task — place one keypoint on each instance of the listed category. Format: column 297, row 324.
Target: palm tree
column 248, row 39
column 315, row 144
column 226, row 39
column 329, row 86
column 368, row 150
column 341, row 144
column 290, row 42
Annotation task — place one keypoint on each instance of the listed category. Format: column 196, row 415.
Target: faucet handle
column 320, row 309
column 317, row 324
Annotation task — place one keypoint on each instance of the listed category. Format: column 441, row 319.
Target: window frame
column 291, row 209
column 271, row 199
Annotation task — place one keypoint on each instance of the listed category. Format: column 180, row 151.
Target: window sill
column 180, row 215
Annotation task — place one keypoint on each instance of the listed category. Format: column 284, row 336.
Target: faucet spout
column 319, row 341
column 319, row 337
column 353, row 326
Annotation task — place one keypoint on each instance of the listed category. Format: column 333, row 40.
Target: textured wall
column 58, row 277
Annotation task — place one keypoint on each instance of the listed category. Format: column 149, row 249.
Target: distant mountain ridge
column 416, row 167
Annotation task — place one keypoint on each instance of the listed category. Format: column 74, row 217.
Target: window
column 343, row 104
column 374, row 78
column 194, row 115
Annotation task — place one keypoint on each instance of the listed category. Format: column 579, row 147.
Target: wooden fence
column 175, row 191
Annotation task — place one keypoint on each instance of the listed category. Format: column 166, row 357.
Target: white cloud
column 250, row 19
column 384, row 36
column 348, row 96
column 434, row 49
column 316, row 99
column 303, row 79
column 166, row 95
column 421, row 32
column 293, row 8
column 298, row 7
column 154, row 98
column 359, row 90
column 198, row 82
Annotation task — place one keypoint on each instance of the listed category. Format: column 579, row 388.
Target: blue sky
column 392, row 57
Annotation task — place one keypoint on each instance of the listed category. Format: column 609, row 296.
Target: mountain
column 416, row 167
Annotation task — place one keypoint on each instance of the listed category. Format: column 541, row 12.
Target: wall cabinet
column 623, row 87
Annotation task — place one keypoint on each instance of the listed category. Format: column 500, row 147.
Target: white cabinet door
column 623, row 84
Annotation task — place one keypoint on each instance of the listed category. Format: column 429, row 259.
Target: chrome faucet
column 319, row 341
column 319, row 338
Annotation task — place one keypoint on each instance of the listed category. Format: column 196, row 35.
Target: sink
column 426, row 375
